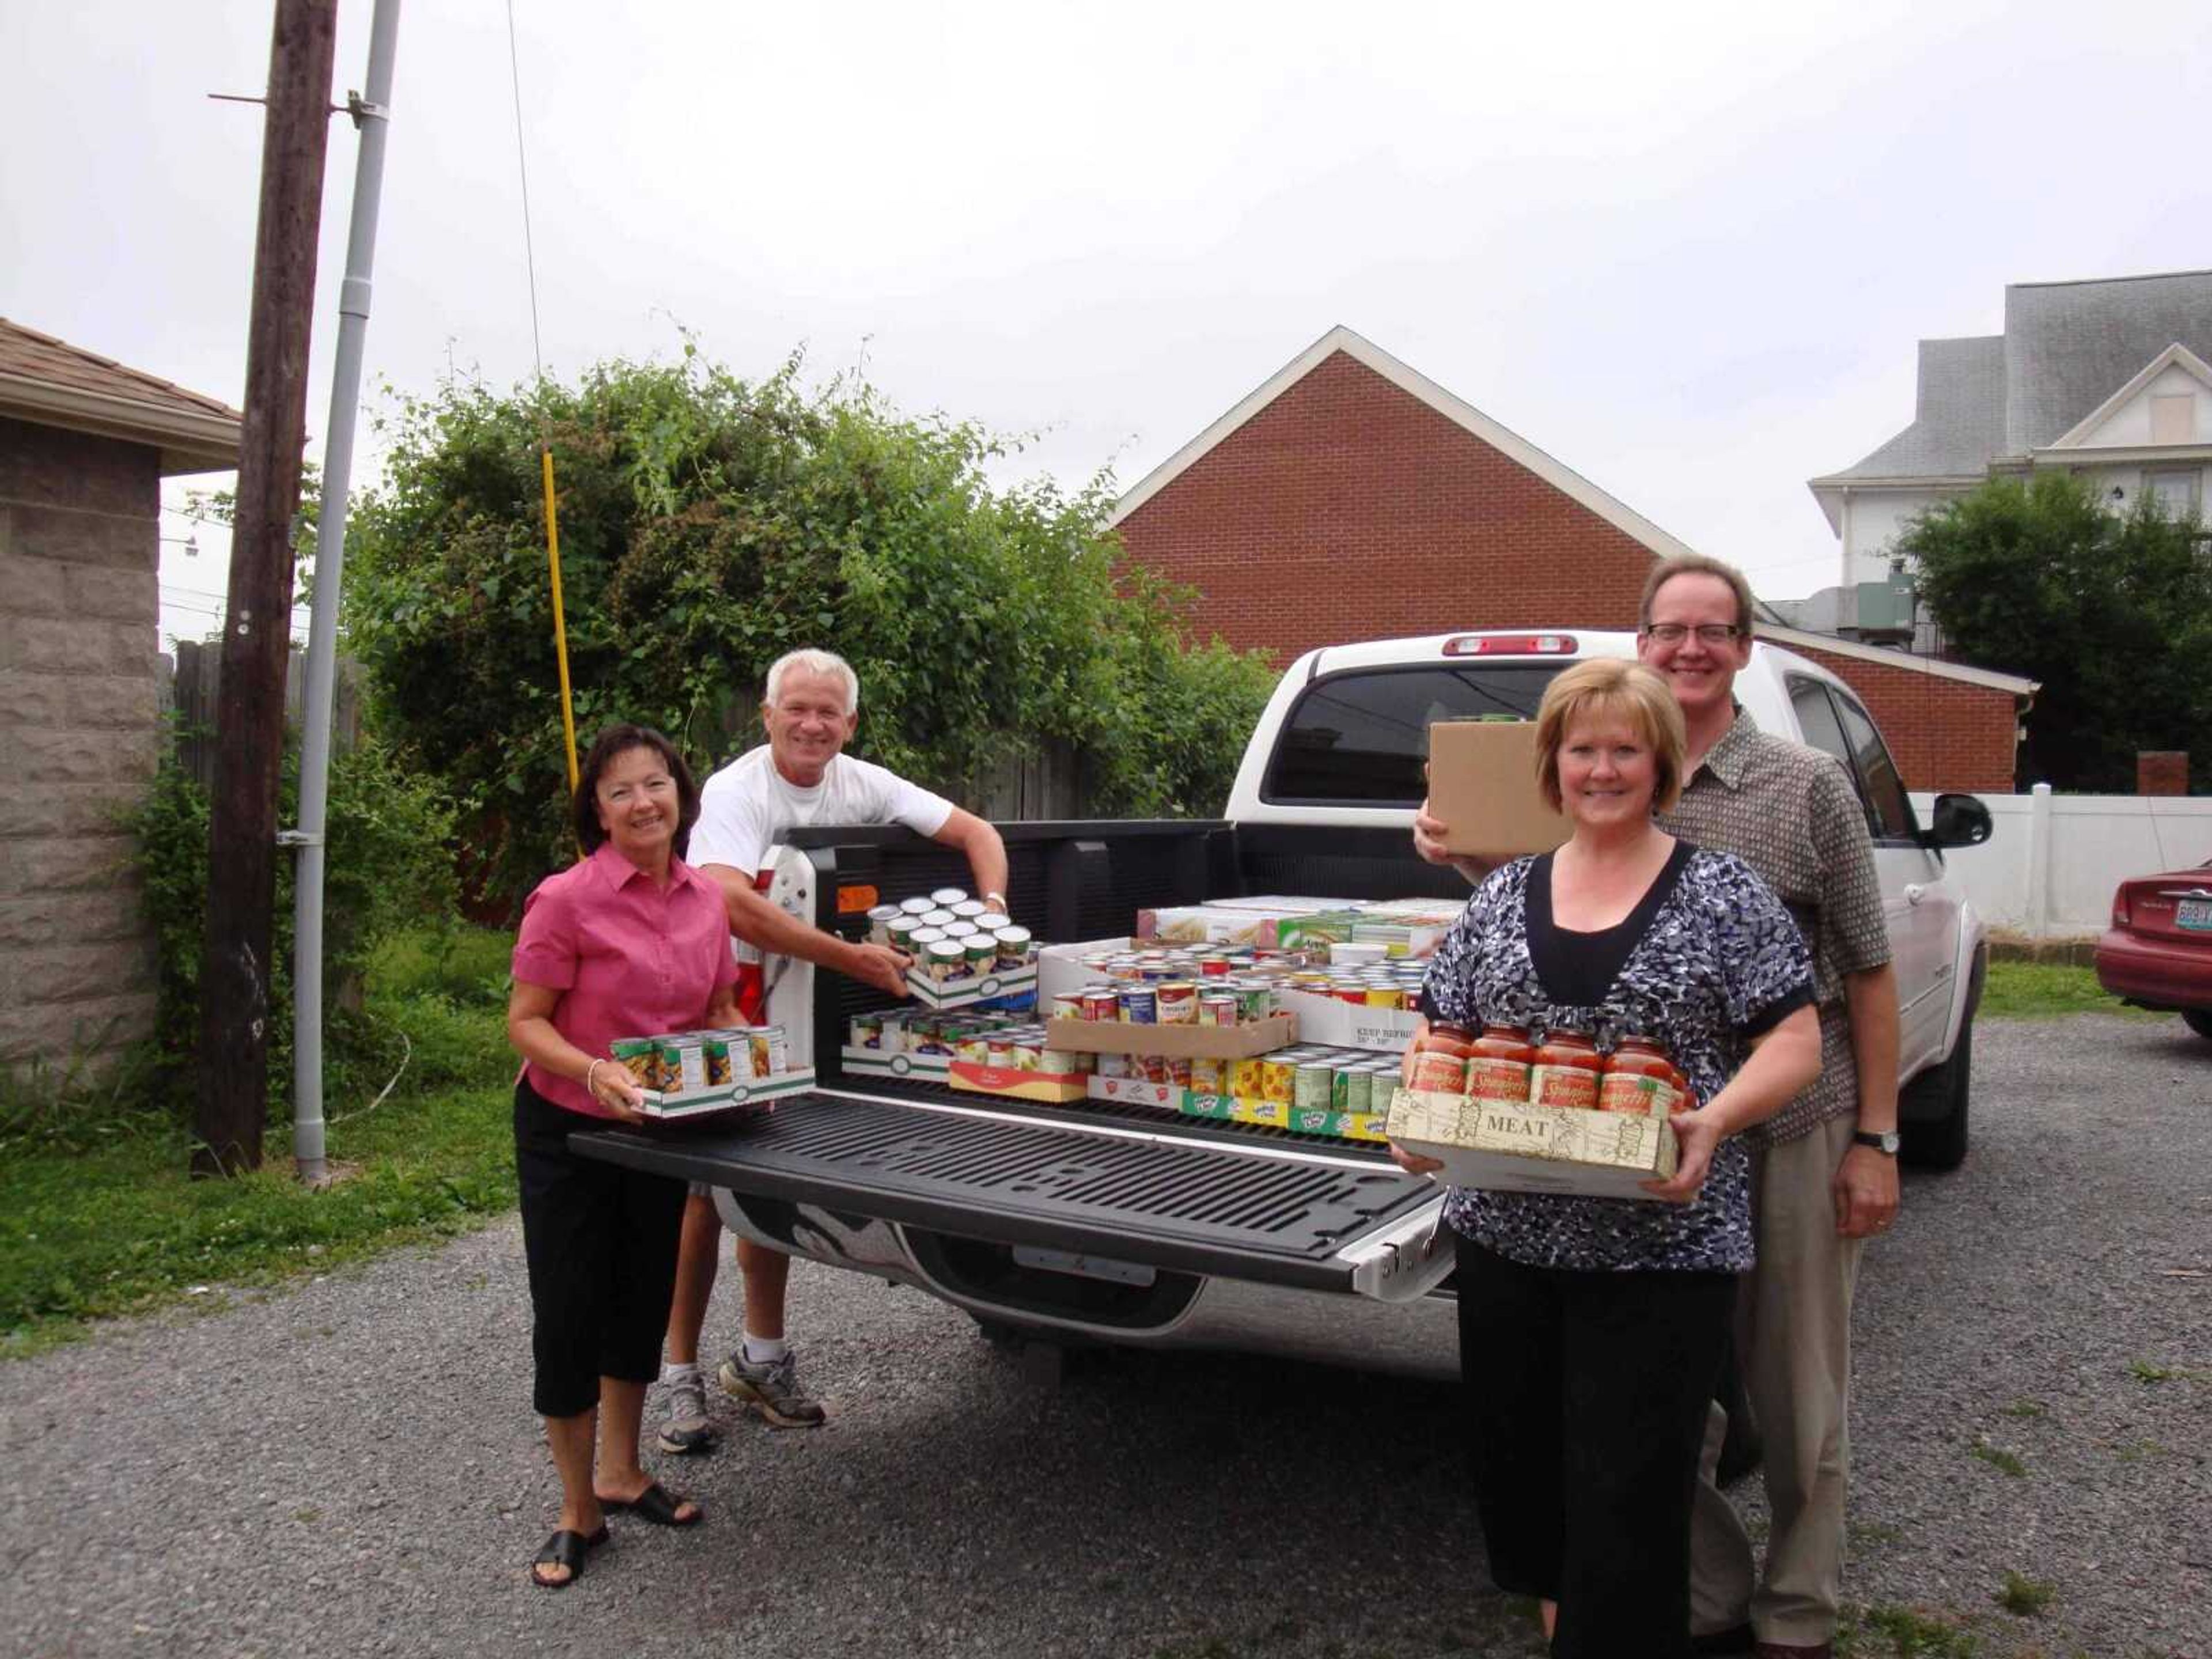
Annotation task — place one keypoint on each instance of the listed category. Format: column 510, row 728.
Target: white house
column 2107, row 377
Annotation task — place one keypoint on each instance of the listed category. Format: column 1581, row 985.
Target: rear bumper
column 1419, row 1337
column 2155, row 973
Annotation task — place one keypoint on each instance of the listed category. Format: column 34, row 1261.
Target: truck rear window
column 1360, row 739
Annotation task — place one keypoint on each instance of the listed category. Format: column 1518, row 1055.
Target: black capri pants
column 601, row 1244
column 1586, row 1396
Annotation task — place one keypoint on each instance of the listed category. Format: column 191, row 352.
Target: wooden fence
column 191, row 689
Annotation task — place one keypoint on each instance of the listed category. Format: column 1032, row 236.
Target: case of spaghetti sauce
column 1566, row 1069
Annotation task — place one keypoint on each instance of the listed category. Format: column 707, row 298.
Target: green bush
column 388, row 866
column 706, row 526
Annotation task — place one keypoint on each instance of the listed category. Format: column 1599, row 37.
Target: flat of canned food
column 715, row 1058
column 1338, row 1079
column 1015, row 1041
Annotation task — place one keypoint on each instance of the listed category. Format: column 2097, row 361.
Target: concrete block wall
column 80, row 734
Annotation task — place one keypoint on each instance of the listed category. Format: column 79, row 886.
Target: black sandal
column 655, row 1504
column 565, row 1549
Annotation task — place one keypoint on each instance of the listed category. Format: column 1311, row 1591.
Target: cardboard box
column 1329, row 1020
column 1511, row 1146
column 999, row 984
column 749, row 1092
column 1113, row 1036
column 1137, row 1091
column 1482, row 783
column 1056, row 1087
column 895, row 1062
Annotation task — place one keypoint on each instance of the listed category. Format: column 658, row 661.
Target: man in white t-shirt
column 800, row 777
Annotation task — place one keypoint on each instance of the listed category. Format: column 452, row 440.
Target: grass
column 1998, row 1458
column 2024, row 1596
column 1894, row 1632
column 94, row 1227
column 2024, row 1408
column 2038, row 990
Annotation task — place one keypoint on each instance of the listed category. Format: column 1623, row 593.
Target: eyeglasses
column 1674, row 632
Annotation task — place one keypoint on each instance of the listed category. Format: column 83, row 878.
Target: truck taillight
column 2121, row 917
column 1511, row 645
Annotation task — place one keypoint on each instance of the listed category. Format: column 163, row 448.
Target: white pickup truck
column 1096, row 1223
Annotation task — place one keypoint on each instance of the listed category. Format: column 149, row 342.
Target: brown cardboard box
column 1482, row 783
column 1113, row 1036
column 1511, row 1146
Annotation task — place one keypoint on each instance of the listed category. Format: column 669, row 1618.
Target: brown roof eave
column 187, row 441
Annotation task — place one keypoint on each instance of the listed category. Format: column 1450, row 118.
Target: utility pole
column 233, row 1106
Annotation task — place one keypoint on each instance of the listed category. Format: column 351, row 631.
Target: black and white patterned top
column 1709, row 959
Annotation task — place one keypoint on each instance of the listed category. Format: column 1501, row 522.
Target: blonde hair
column 1612, row 687
column 827, row 663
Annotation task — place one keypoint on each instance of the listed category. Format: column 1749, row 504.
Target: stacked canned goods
column 920, row 1031
column 1214, row 971
column 951, row 935
column 717, row 1058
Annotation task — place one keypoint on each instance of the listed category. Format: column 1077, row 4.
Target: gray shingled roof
column 2069, row 346
column 1958, row 421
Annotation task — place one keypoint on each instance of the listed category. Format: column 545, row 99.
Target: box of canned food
column 1373, row 1023
column 1137, row 1091
column 1182, row 1040
column 1516, row 1147
column 1016, row 1083
column 941, row 981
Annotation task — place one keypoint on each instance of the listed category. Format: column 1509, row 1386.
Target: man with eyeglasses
column 1825, row 1169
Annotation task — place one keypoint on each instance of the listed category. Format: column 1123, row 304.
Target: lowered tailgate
column 1287, row 1213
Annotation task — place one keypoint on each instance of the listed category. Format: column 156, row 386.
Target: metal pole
column 371, row 115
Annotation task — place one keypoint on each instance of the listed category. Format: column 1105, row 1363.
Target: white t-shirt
column 748, row 806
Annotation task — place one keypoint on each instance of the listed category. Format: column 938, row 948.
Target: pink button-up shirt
column 630, row 958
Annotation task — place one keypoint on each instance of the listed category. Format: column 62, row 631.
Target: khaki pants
column 1795, row 1344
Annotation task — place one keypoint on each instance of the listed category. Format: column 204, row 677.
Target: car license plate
column 2195, row 914
column 1084, row 1267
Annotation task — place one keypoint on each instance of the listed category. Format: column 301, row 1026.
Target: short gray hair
column 814, row 662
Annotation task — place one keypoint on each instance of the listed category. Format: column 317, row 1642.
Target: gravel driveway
column 351, row 1468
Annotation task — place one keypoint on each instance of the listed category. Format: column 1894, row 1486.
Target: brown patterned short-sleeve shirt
column 1792, row 813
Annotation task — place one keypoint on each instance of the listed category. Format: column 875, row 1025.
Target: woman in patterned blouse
column 1592, row 1330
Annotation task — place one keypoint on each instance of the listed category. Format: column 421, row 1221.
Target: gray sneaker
column 687, row 1431
column 772, row 1389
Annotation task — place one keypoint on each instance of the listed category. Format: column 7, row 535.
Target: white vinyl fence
column 2049, row 869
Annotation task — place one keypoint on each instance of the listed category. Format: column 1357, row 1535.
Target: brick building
column 1352, row 497
column 84, row 444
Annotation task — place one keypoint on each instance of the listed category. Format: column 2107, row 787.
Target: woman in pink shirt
column 629, row 942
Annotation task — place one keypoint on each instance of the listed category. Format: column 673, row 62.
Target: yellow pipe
column 559, row 624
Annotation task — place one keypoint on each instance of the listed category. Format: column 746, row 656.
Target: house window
column 2175, row 489
column 2173, row 419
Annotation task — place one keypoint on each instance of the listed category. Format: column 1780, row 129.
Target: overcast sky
column 1686, row 250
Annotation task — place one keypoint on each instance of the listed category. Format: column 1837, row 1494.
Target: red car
column 2158, row 952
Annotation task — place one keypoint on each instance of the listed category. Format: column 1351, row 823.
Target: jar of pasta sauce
column 1498, row 1063
column 1566, row 1070
column 1439, row 1065
column 1640, row 1080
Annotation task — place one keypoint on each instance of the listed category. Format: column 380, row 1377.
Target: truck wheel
column 1938, row 1140
column 2199, row 1020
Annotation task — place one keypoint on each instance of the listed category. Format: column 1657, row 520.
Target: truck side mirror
column 1958, row 821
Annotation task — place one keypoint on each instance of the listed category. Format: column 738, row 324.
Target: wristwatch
column 1886, row 1141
